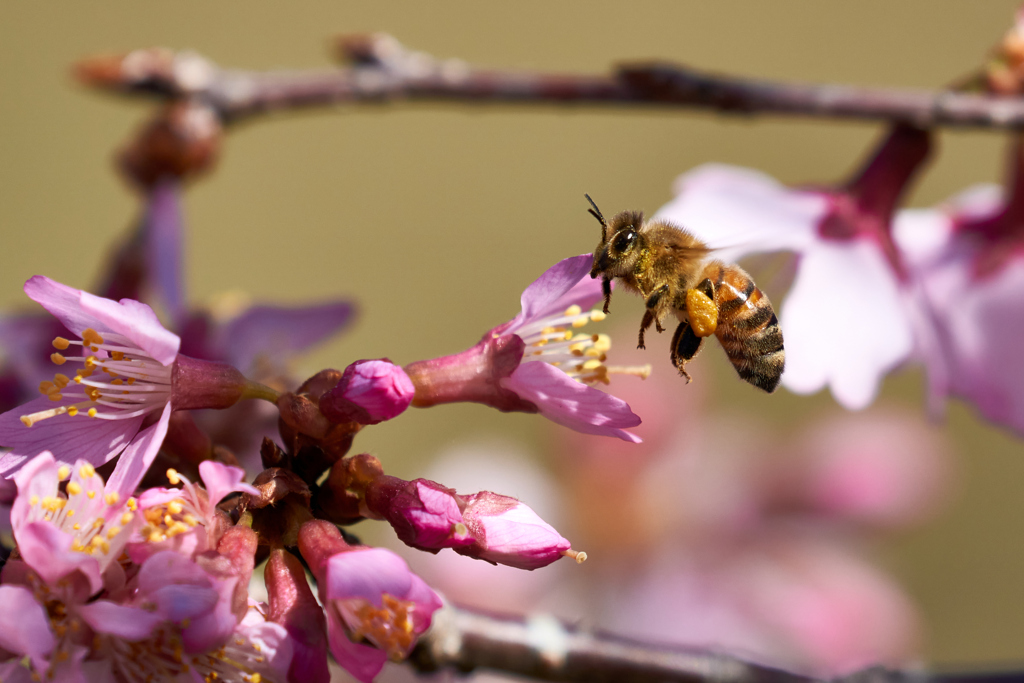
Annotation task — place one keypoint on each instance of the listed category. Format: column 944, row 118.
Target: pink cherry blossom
column 89, row 416
column 186, row 519
column 369, row 392
column 968, row 255
column 847, row 262
column 367, row 593
column 536, row 363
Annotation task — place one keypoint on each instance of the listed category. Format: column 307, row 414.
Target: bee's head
column 620, row 246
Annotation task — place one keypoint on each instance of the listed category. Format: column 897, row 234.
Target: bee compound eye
column 624, row 240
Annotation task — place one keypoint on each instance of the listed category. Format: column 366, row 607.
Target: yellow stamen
column 598, row 316
column 55, row 396
column 86, row 471
column 91, row 337
column 112, row 498
column 63, row 472
column 92, row 412
column 172, row 476
column 58, row 359
column 61, row 344
column 573, row 311
column 72, row 411
column 74, row 488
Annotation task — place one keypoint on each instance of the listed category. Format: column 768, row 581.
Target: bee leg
column 652, row 303
column 606, row 289
column 685, row 345
column 644, row 325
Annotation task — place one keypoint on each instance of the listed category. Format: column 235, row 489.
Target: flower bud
column 508, row 532
column 423, row 513
column 369, row 392
column 291, row 603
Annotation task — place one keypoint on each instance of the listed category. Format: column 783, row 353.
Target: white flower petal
column 845, row 323
column 740, row 211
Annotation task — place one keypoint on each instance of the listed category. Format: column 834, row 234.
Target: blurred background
column 435, row 217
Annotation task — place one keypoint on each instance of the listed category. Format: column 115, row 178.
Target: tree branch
column 384, row 71
column 544, row 648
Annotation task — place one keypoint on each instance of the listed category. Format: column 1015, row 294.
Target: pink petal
column 367, row 574
column 138, row 456
column 79, row 310
column 220, row 480
column 39, row 479
column 48, row 551
column 545, row 294
column 61, row 301
column 67, row 438
column 24, row 625
column 137, row 322
column 572, row 404
column 739, row 211
column 123, row 621
column 167, row 568
column 363, row 662
column 853, row 362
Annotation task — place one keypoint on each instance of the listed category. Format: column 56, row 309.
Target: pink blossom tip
column 508, row 532
column 369, row 392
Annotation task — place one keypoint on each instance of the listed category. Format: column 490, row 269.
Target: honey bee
column 675, row 272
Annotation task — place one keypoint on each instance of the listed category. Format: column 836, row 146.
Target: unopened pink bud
column 508, row 532
column 369, row 392
column 424, row 514
column 291, row 604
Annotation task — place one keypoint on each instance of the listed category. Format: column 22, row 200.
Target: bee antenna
column 596, row 213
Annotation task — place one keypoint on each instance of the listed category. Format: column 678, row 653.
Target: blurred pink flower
column 847, row 261
column 968, row 255
column 535, row 363
column 369, row 392
column 367, row 593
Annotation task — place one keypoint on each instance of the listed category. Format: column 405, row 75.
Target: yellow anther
column 603, row 342
column 77, row 526
column 91, row 494
column 72, row 411
column 63, row 472
column 190, row 520
column 117, row 355
column 548, row 330
column 592, row 364
column 126, row 518
column 91, row 336
column 55, row 396
column 573, row 310
column 46, row 387
column 176, row 529
column 118, row 382
column 61, row 380
column 71, row 513
column 86, row 471
column 112, row 498
column 131, row 380
column 74, row 488
column 83, row 372
column 172, row 476
column 60, row 343
column 132, row 505
column 92, row 412
column 91, row 362
column 58, row 359
column 580, row 323
column 97, row 523
column 175, row 507
column 93, row 393
column 113, row 531
column 598, row 316
column 34, row 500
column 256, row 678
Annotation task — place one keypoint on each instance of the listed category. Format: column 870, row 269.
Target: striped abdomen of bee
column 747, row 327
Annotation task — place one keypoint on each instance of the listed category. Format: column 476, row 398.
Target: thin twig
column 384, row 71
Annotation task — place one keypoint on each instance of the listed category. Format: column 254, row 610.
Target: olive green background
column 435, row 216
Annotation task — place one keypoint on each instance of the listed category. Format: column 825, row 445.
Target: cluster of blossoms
column 115, row 575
